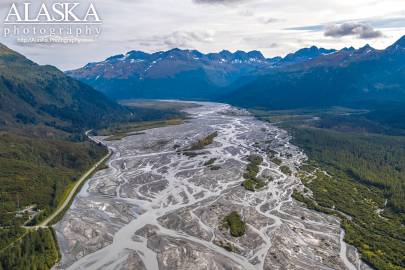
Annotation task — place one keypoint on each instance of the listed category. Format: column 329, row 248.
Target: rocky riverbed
column 157, row 207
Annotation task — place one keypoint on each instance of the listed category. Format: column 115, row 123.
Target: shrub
column 235, row 224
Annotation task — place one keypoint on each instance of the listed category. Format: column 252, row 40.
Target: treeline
column 365, row 173
column 36, row 250
column 375, row 160
column 8, row 235
column 43, row 148
column 38, row 171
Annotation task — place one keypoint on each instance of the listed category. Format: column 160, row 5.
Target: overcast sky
column 275, row 27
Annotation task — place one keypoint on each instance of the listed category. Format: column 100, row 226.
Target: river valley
column 156, row 207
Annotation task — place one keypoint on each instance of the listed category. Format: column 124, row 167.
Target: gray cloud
column 274, row 45
column 361, row 30
column 380, row 22
column 186, row 39
column 179, row 39
column 265, row 20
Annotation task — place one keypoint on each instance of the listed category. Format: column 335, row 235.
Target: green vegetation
column 276, row 161
column 8, row 236
column 228, row 246
column 379, row 239
column 375, row 161
column 35, row 249
column 285, row 169
column 123, row 130
column 235, row 224
column 58, row 217
column 43, row 150
column 355, row 172
column 38, row 171
column 281, row 116
column 249, row 185
column 191, row 154
column 365, row 172
column 43, row 102
column 311, row 204
column 210, row 162
column 201, row 143
column 215, row 168
column 161, row 105
column 252, row 183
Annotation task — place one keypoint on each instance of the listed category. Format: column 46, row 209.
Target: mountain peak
column 175, row 50
column 225, row 54
column 314, row 51
column 137, row 55
column 115, row 57
column 348, row 49
column 306, row 54
column 399, row 44
column 256, row 54
column 366, row 49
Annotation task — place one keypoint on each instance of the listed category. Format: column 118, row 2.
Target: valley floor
column 160, row 207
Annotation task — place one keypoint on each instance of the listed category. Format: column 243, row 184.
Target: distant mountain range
column 172, row 74
column 363, row 77
column 180, row 73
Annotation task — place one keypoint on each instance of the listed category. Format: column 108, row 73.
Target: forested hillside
column 367, row 183
column 33, row 95
column 364, row 183
column 43, row 150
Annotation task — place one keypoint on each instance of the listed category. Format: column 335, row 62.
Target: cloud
column 223, row 2
column 361, row 30
column 391, row 22
column 274, row 45
column 176, row 39
column 131, row 24
column 265, row 20
column 312, row 28
column 246, row 13
column 185, row 38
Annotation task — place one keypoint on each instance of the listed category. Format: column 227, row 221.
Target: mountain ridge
column 363, row 77
column 163, row 74
column 32, row 94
